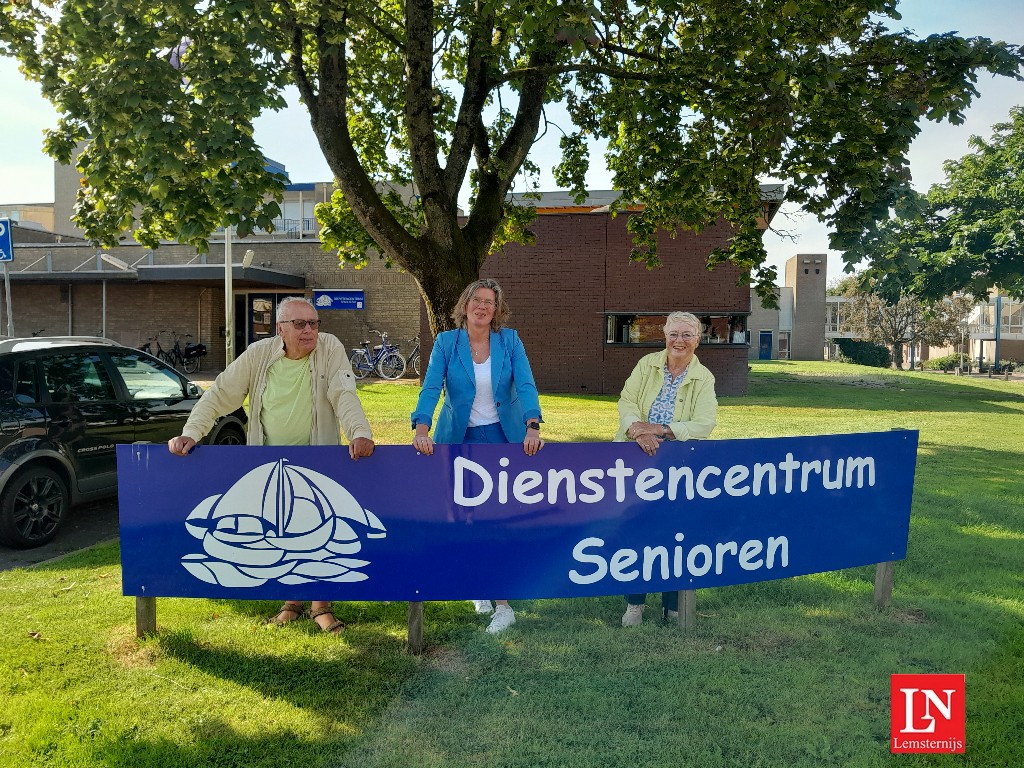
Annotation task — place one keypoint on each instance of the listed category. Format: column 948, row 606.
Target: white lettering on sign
column 661, row 562
column 476, row 484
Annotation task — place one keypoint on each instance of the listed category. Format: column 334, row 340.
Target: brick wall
column 559, row 292
column 136, row 311
column 560, row 288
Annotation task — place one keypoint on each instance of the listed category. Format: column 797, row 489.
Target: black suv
column 65, row 402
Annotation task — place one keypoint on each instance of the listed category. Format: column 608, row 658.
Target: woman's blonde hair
column 684, row 317
column 501, row 311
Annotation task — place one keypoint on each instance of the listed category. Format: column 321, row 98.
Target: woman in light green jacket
column 668, row 396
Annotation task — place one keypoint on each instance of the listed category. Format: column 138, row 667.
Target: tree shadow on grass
column 214, row 744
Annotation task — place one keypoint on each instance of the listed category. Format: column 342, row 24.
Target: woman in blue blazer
column 490, row 394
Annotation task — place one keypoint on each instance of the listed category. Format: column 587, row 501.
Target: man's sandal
column 296, row 608
column 334, row 627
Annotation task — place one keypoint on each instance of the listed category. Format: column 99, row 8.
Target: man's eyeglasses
column 301, row 324
column 684, row 336
column 482, row 302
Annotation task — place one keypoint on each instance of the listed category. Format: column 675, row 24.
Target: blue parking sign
column 6, row 246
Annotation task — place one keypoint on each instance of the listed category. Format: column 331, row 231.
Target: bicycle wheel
column 391, row 366
column 166, row 357
column 191, row 365
column 360, row 363
column 416, row 362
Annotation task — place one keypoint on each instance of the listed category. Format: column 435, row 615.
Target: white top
column 483, row 411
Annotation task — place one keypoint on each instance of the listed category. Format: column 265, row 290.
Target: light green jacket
column 696, row 404
column 335, row 402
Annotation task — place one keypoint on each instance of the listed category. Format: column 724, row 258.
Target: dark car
column 65, row 403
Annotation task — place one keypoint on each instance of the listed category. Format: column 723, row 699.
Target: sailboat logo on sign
column 282, row 523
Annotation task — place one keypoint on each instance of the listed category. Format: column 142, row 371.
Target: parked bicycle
column 413, row 361
column 160, row 352
column 384, row 360
column 185, row 358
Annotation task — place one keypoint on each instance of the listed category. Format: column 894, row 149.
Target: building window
column 646, row 329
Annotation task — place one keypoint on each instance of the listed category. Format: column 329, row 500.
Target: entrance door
column 260, row 319
column 260, row 316
column 764, row 346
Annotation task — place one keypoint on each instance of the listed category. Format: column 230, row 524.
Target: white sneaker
column 671, row 615
column 482, row 606
column 504, row 617
column 633, row 616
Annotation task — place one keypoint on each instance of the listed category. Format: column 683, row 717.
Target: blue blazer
column 451, row 368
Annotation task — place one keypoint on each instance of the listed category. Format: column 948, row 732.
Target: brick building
column 130, row 294
column 586, row 313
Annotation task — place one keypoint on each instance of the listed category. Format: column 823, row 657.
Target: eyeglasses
column 684, row 336
column 482, row 302
column 301, row 324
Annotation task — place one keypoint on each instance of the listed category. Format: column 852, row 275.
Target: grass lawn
column 784, row 673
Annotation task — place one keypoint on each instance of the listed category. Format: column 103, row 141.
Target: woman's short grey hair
column 688, row 318
column 501, row 310
column 291, row 300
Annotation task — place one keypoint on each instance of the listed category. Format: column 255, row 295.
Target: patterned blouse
column 664, row 406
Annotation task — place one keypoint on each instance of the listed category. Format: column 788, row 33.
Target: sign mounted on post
column 589, row 519
column 341, row 298
column 6, row 245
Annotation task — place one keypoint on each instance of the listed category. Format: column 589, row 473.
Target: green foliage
column 864, row 353
column 872, row 315
column 966, row 234
column 944, row 363
column 695, row 107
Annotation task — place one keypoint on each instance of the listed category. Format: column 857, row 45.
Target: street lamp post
column 229, row 299
column 229, row 302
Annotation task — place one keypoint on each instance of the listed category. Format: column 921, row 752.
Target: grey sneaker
column 633, row 616
column 504, row 617
column 671, row 615
column 482, row 606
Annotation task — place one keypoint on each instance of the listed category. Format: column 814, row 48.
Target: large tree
column 967, row 233
column 698, row 101
column 901, row 320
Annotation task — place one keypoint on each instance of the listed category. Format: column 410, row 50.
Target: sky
column 26, row 173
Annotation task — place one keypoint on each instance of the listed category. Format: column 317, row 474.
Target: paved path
column 86, row 525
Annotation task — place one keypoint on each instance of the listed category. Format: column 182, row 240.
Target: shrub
column 863, row 353
column 944, row 363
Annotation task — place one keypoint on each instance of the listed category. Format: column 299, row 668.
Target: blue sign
column 6, row 244
column 577, row 519
column 342, row 298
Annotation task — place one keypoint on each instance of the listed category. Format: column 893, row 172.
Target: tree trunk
column 897, row 356
column 441, row 280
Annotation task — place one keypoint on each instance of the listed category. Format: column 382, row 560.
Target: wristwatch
column 664, row 431
column 534, row 425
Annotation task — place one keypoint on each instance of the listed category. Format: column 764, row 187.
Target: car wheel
column 33, row 507
column 230, row 436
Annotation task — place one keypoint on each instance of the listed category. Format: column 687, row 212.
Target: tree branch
column 331, row 129
column 475, row 87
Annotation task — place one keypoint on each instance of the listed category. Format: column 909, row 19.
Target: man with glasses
column 301, row 391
